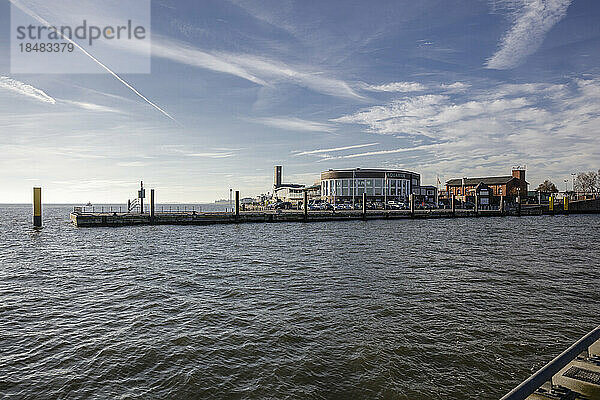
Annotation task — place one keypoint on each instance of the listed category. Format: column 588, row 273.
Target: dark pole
column 305, row 205
column 519, row 203
column 151, row 206
column 476, row 203
column 237, row 205
column 501, row 205
column 453, row 206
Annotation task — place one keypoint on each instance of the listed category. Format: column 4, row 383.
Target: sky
column 444, row 88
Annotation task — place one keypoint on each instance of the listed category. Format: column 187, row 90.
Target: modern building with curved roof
column 346, row 185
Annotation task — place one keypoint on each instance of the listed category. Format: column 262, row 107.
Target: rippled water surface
column 422, row 309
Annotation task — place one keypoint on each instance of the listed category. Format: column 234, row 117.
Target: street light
column 573, row 186
column 566, row 187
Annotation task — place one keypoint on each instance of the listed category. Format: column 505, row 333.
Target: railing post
column 37, row 207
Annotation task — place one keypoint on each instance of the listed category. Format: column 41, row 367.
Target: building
column 292, row 192
column 347, row 185
column 428, row 193
column 510, row 186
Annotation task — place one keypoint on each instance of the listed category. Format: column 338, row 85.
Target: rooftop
column 491, row 180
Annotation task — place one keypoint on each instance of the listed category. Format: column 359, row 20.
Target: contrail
column 25, row 89
column 134, row 90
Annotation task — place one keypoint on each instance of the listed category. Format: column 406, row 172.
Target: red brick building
column 508, row 186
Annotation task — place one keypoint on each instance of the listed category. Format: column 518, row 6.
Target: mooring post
column 501, row 205
column 151, row 206
column 453, row 205
column 476, row 204
column 519, row 205
column 37, row 207
column 305, row 205
column 237, row 205
column 141, row 195
column 551, row 204
column 566, row 205
column 412, row 204
column 364, row 206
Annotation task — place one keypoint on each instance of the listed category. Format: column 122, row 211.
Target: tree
column 547, row 187
column 586, row 182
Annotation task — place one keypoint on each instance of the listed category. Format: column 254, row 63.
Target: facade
column 292, row 192
column 427, row 193
column 347, row 185
column 509, row 186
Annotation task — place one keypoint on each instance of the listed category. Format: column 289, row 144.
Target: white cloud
column 294, row 124
column 397, row 87
column 259, row 70
column 211, row 155
column 408, row 87
column 385, row 152
column 550, row 127
column 334, row 149
column 92, row 106
column 532, row 20
column 24, row 89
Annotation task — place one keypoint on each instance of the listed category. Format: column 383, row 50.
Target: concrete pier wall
column 81, row 219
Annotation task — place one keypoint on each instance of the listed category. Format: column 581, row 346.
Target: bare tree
column 547, row 187
column 586, row 182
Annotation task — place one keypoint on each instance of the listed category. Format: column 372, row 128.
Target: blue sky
column 444, row 88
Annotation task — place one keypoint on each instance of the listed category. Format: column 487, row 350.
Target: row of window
column 372, row 187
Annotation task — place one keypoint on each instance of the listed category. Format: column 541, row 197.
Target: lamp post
column 353, row 188
column 230, row 193
column 566, row 186
column 573, row 185
column 385, row 184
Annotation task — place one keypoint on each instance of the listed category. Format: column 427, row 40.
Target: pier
column 113, row 219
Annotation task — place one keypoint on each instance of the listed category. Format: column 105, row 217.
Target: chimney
column 278, row 176
column 519, row 173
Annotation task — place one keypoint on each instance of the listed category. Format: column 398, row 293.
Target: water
column 422, row 309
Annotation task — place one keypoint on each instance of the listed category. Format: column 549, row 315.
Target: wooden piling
column 237, row 205
column 305, row 205
column 151, row 206
column 37, row 207
column 453, row 204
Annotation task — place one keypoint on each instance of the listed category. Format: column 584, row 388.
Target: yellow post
column 37, row 207
column 566, row 203
column 551, row 203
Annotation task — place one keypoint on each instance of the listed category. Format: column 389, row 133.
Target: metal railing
column 545, row 374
